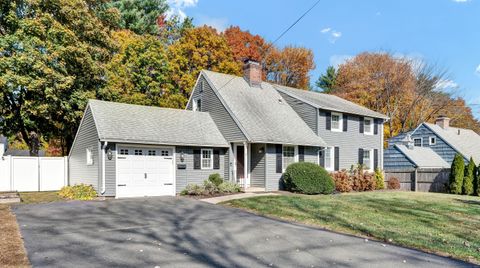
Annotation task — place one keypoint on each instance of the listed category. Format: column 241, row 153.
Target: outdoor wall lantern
column 182, row 157
column 109, row 154
column 260, row 151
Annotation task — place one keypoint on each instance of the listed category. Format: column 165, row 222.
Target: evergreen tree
column 327, row 81
column 469, row 178
column 476, row 182
column 140, row 17
column 456, row 175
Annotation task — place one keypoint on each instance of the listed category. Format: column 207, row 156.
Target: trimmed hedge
column 308, row 178
column 457, row 171
column 216, row 179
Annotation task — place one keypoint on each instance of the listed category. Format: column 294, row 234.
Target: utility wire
column 280, row 36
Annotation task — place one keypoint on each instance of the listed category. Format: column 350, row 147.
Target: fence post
column 12, row 184
column 415, row 174
column 65, row 171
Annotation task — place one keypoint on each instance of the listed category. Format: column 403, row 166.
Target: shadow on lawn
column 470, row 202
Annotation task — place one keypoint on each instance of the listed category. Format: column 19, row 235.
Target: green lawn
column 440, row 223
column 39, row 197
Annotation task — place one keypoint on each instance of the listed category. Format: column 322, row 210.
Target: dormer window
column 337, row 121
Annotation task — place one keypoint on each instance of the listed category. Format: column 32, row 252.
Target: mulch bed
column 12, row 251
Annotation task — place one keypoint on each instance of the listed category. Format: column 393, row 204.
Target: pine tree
column 469, row 177
column 476, row 182
column 327, row 81
column 456, row 175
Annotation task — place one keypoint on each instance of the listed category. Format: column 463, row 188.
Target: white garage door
column 145, row 172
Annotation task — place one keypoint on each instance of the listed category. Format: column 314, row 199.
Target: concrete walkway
column 219, row 199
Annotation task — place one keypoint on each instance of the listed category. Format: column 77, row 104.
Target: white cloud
column 218, row 23
column 461, row 1
column 177, row 7
column 332, row 34
column 477, row 71
column 337, row 60
column 444, row 85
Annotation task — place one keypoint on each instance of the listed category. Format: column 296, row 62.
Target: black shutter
column 278, row 151
column 360, row 156
column 375, row 126
column 321, row 155
column 196, row 159
column 301, row 153
column 362, row 124
column 375, row 158
column 216, row 159
column 345, row 122
column 328, row 118
column 337, row 158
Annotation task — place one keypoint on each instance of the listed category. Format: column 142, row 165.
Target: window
column 206, row 160
column 368, row 126
column 329, row 158
column 165, row 153
column 367, row 159
column 432, row 140
column 138, row 152
column 337, row 123
column 152, row 152
column 89, row 157
column 288, row 156
column 124, row 151
column 197, row 105
column 417, row 142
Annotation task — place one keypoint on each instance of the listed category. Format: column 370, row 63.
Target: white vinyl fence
column 30, row 174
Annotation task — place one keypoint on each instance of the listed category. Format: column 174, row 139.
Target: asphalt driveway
column 180, row 232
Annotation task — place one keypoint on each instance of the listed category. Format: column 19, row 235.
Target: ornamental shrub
column 78, row 192
column 308, row 178
column 215, row 178
column 468, row 179
column 379, row 179
column 343, row 181
column 455, row 182
column 193, row 189
column 209, row 187
column 229, row 187
column 393, row 184
column 362, row 181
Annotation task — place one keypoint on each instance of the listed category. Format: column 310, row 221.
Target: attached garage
column 128, row 150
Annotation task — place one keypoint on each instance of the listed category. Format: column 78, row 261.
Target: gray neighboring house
column 126, row 150
column 427, row 140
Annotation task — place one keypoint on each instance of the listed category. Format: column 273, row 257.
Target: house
column 428, row 143
column 247, row 130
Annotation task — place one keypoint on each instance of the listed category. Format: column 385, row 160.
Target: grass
column 12, row 252
column 39, row 197
column 439, row 223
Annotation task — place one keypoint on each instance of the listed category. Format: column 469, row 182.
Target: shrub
column 78, row 192
column 308, row 178
column 393, row 184
column 361, row 180
column 476, row 184
column 229, row 187
column 216, row 179
column 469, row 177
column 343, row 181
column 379, row 179
column 193, row 189
column 455, row 182
column 209, row 187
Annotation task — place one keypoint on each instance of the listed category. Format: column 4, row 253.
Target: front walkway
column 220, row 199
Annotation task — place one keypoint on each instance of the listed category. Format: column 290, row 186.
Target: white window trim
column 421, row 142
column 89, row 156
column 430, row 140
column 295, row 155
column 371, row 126
column 332, row 156
column 194, row 104
column 340, row 122
column 370, row 160
column 201, row 159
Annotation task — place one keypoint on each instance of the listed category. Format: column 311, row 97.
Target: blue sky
column 441, row 32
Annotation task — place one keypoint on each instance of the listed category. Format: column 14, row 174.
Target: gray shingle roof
column 465, row 141
column 423, row 157
column 262, row 113
column 152, row 125
column 329, row 102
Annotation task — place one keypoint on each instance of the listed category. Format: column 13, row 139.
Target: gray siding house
column 247, row 130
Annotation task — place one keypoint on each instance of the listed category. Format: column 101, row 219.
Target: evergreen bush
column 308, row 178
column 455, row 183
column 468, row 179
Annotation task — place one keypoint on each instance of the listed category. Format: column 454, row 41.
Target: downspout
column 104, row 151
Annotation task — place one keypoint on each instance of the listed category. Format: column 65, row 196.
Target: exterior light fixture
column 109, row 154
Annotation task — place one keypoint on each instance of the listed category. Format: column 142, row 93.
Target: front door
column 240, row 163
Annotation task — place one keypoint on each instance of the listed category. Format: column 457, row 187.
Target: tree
column 467, row 188
column 327, row 81
column 456, row 175
column 245, row 45
column 172, row 29
column 476, row 183
column 140, row 17
column 53, row 56
column 199, row 48
column 138, row 72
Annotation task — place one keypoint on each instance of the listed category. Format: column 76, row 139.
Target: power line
column 280, row 36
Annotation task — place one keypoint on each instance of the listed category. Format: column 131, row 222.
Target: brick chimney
column 443, row 122
column 252, row 72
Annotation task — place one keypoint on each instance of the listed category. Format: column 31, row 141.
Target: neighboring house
column 417, row 148
column 247, row 130
column 20, row 152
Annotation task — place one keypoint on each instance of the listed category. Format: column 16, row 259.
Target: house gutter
column 104, row 151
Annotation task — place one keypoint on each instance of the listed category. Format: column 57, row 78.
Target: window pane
column 417, row 142
column 206, row 158
column 152, row 152
column 368, row 125
column 138, row 152
column 328, row 157
column 366, row 159
column 288, row 156
column 335, row 121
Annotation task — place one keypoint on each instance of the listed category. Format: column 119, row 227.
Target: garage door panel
column 145, row 172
